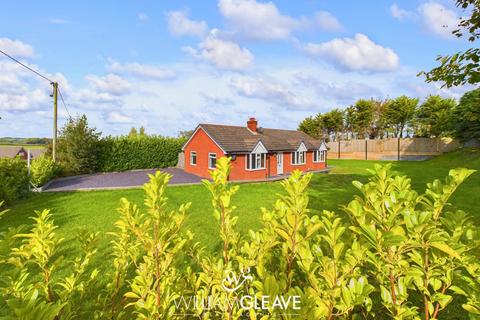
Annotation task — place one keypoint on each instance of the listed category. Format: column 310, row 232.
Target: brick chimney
column 252, row 124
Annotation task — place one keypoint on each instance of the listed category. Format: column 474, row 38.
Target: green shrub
column 138, row 152
column 77, row 147
column 42, row 170
column 13, row 179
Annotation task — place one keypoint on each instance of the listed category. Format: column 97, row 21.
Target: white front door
column 279, row 163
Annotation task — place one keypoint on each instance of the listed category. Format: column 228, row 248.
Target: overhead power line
column 25, row 66
column 63, row 102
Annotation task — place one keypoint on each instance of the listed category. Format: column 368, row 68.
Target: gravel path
column 115, row 180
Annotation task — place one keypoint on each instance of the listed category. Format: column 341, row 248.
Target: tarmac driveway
column 118, row 180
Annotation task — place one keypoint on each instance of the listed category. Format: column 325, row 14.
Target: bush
column 77, row 147
column 42, row 170
column 13, row 179
column 138, row 152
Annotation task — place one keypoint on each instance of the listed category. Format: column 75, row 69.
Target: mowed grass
column 96, row 210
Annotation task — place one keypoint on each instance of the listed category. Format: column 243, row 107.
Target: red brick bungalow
column 257, row 153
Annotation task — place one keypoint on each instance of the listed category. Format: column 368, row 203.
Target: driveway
column 118, row 180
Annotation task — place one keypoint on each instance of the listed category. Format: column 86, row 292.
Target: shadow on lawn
column 332, row 191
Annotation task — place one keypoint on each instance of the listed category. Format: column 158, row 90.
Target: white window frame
column 212, row 155
column 320, row 155
column 323, row 155
column 296, row 156
column 193, row 153
column 254, row 158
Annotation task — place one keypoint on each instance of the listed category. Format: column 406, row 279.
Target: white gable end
column 302, row 148
column 323, row 147
column 259, row 148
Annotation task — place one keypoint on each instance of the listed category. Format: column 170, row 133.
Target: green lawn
column 96, row 210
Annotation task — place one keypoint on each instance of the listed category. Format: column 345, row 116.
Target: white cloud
column 357, row 53
column 326, row 21
column 16, row 48
column 111, row 84
column 266, row 90
column 257, row 20
column 142, row 16
column 140, row 70
column 180, row 25
column 224, row 54
column 401, row 14
column 438, row 19
column 117, row 117
column 340, row 91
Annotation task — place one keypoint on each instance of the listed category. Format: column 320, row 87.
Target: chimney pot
column 252, row 124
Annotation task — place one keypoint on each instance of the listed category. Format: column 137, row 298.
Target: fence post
column 338, row 148
column 398, row 149
column 366, row 149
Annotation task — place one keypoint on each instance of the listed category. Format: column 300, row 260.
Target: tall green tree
column 399, row 113
column 360, row 116
column 462, row 67
column 311, row 126
column 467, row 116
column 434, row 117
column 332, row 123
column 77, row 148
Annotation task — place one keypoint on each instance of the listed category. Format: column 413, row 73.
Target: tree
column 331, row 123
column 399, row 113
column 310, row 126
column 77, row 147
column 186, row 134
column 467, row 116
column 133, row 132
column 461, row 67
column 359, row 117
column 142, row 131
column 433, row 118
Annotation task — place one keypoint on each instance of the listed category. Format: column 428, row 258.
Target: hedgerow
column 13, row 179
column 402, row 255
column 138, row 152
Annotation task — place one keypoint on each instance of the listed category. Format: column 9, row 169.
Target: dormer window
column 320, row 155
column 256, row 160
column 298, row 157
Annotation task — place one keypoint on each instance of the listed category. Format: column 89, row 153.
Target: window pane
column 193, row 158
column 212, row 160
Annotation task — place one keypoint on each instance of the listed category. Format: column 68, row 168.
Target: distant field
column 25, row 146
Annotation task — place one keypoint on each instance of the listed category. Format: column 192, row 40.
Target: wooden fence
column 391, row 148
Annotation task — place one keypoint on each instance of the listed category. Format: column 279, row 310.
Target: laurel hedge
column 13, row 179
column 138, row 152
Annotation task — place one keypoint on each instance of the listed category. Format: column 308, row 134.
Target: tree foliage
column 466, row 116
column 77, row 147
column 462, row 67
column 434, row 117
column 399, row 113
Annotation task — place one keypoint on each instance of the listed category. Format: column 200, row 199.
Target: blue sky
column 168, row 65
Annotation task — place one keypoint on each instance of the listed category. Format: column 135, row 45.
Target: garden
column 108, row 266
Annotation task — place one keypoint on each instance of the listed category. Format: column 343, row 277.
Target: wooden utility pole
column 55, row 100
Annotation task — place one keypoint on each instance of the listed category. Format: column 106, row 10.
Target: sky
column 169, row 65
